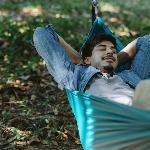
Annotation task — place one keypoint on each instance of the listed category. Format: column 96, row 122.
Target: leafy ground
column 34, row 113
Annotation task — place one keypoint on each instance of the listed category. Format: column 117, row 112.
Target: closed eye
column 104, row 47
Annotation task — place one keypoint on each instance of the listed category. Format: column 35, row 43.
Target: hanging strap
column 94, row 9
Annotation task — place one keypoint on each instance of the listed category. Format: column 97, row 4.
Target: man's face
column 103, row 57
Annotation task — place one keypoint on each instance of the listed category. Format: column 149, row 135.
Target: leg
column 142, row 95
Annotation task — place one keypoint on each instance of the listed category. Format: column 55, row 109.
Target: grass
column 33, row 110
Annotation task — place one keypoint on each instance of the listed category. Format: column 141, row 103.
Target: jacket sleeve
column 48, row 47
column 141, row 62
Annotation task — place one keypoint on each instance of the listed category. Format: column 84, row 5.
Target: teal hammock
column 107, row 125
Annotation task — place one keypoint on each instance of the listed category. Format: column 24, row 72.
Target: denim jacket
column 76, row 77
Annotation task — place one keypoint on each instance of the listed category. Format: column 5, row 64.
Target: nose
column 109, row 51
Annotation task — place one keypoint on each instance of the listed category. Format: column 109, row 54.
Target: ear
column 87, row 60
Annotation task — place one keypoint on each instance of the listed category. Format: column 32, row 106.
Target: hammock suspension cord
column 94, row 10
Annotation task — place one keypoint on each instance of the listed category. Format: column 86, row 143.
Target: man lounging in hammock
column 96, row 74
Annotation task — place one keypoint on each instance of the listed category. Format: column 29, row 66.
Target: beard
column 109, row 68
column 103, row 67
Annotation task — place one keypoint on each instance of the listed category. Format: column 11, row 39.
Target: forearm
column 128, row 53
column 73, row 54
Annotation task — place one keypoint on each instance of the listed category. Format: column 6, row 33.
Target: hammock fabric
column 107, row 125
